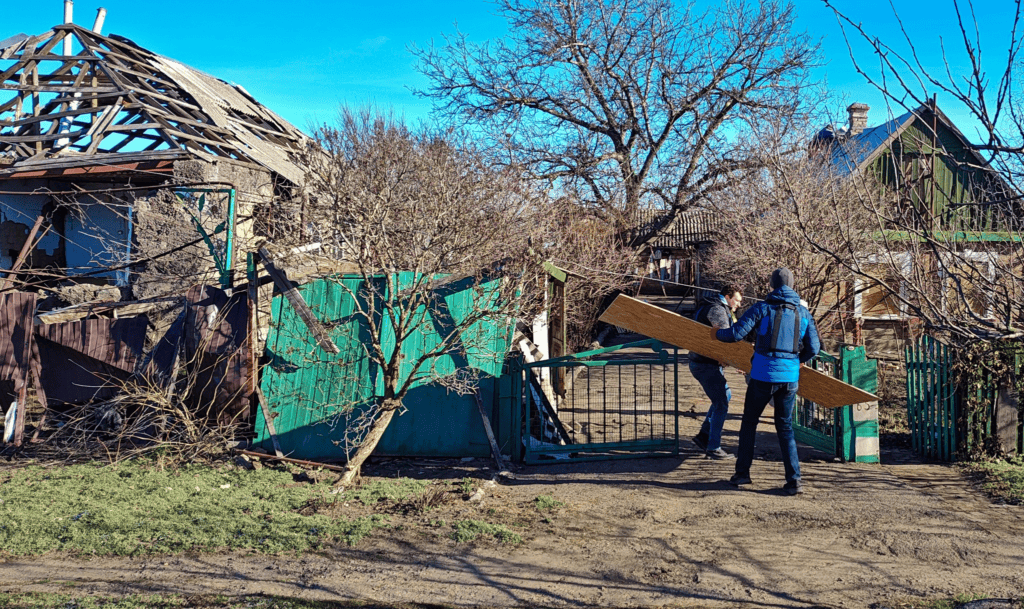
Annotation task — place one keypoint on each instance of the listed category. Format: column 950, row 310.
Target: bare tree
column 626, row 103
column 952, row 255
column 420, row 216
column 798, row 212
column 599, row 263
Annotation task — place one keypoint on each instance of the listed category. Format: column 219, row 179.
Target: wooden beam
column 281, row 281
column 495, row 451
column 333, row 468
column 269, row 420
column 37, row 88
column 677, row 330
column 47, row 116
column 46, row 137
column 23, row 254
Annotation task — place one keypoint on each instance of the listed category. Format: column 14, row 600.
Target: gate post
column 858, row 441
column 511, row 417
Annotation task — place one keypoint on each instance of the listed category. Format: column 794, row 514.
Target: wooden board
column 668, row 327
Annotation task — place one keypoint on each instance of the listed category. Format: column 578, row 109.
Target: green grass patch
column 64, row 601
column 1002, row 478
column 387, row 490
column 468, row 530
column 547, row 502
column 132, row 508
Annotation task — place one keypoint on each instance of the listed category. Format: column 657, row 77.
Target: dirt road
column 649, row 532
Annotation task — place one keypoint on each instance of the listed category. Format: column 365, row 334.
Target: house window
column 966, row 285
column 874, row 296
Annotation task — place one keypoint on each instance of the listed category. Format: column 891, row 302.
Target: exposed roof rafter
column 112, row 96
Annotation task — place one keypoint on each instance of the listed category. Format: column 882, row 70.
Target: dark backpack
column 701, row 309
column 780, row 332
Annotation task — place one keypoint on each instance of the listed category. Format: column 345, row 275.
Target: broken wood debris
column 252, row 453
column 295, row 299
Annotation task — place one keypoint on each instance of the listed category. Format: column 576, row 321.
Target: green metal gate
column 850, row 432
column 613, row 405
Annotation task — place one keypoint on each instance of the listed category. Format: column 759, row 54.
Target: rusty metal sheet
column 116, row 342
column 17, row 310
column 89, row 359
column 18, row 356
column 217, row 354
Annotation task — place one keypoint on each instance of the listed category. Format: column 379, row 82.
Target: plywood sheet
column 668, row 327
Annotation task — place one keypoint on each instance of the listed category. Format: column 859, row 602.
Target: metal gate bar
column 611, row 417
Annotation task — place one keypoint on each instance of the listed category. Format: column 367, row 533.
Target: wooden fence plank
column 305, row 314
column 677, row 330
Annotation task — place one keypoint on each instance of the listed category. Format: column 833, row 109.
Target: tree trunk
column 369, row 443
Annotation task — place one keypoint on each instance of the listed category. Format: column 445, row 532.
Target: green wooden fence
column 932, row 400
column 940, row 427
column 850, row 432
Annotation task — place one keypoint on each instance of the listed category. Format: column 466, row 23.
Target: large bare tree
column 424, row 218
column 420, row 217
column 801, row 213
column 626, row 103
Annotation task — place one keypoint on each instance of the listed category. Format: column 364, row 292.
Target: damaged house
column 125, row 177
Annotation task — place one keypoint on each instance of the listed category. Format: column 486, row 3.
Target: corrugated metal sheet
column 89, row 359
column 217, row 354
column 16, row 317
column 311, row 392
column 116, row 342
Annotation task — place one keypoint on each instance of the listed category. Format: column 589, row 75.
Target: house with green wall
column 940, row 188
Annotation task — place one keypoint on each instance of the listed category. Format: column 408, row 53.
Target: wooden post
column 487, row 428
column 269, row 420
column 281, row 281
column 23, row 254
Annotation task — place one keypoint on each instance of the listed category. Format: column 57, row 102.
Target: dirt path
column 648, row 532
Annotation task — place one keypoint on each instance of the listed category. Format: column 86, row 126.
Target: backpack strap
column 796, row 330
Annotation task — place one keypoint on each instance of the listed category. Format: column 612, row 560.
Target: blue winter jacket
column 769, row 366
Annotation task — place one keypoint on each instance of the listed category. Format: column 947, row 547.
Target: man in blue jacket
column 786, row 337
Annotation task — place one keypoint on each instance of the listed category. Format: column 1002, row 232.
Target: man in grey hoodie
column 786, row 337
column 717, row 312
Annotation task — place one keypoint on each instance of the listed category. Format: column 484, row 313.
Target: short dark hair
column 729, row 289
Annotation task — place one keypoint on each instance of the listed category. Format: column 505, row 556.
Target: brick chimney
column 858, row 117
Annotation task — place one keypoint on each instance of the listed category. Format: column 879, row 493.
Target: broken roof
column 110, row 101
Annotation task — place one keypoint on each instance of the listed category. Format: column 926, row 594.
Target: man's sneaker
column 739, row 480
column 718, row 453
column 793, row 488
column 701, row 441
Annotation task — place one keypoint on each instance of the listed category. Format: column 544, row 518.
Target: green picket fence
column 939, row 426
column 932, row 400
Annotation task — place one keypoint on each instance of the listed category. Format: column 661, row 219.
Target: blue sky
column 304, row 58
